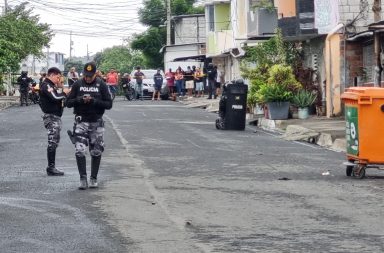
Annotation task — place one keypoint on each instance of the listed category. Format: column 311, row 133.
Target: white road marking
column 194, row 144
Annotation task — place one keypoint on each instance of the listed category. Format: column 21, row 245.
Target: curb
column 300, row 133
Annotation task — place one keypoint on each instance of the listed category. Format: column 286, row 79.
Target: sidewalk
column 6, row 101
column 325, row 132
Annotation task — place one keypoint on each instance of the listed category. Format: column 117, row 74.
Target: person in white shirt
column 73, row 76
column 218, row 83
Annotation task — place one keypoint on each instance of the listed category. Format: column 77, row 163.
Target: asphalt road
column 171, row 182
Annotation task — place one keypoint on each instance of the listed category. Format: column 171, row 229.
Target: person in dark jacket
column 89, row 97
column 212, row 75
column 24, row 81
column 52, row 105
column 158, row 81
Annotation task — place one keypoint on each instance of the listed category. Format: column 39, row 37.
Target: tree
column 153, row 14
column 77, row 64
column 150, row 43
column 21, row 34
column 121, row 58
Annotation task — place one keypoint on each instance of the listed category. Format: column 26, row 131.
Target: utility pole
column 70, row 46
column 48, row 58
column 5, row 6
column 168, row 22
column 376, row 8
column 87, row 53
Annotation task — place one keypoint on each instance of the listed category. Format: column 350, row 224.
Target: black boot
column 95, row 165
column 82, row 167
column 51, row 170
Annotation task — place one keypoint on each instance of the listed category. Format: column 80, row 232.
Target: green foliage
column 267, row 4
column 2, row 89
column 21, row 34
column 273, row 51
column 77, row 64
column 257, row 76
column 272, row 79
column 280, row 85
column 149, row 43
column 283, row 75
column 121, row 58
column 98, row 58
column 304, row 98
column 153, row 13
column 273, row 93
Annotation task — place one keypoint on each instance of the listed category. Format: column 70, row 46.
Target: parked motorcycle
column 129, row 91
column 33, row 93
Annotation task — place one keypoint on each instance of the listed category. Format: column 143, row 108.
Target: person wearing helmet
column 24, row 81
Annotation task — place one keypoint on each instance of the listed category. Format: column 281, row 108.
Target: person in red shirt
column 112, row 80
column 170, row 77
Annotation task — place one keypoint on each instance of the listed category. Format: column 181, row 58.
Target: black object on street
column 232, row 106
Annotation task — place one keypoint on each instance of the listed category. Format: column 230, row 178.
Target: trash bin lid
column 364, row 95
column 237, row 88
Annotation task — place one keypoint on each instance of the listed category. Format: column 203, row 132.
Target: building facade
column 337, row 41
column 231, row 25
column 187, row 46
column 35, row 65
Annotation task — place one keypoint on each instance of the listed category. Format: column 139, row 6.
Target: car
column 148, row 83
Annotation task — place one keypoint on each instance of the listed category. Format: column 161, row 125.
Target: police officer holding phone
column 52, row 105
column 89, row 98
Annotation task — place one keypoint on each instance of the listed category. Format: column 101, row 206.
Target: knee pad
column 80, row 149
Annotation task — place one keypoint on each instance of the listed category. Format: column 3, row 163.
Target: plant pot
column 258, row 109
column 303, row 113
column 278, row 110
column 266, row 113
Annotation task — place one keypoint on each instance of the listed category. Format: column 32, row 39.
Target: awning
column 192, row 57
column 376, row 26
column 360, row 35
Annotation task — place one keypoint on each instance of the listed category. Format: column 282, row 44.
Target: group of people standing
column 89, row 97
column 192, row 81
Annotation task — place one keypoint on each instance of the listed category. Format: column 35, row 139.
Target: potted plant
column 277, row 92
column 303, row 99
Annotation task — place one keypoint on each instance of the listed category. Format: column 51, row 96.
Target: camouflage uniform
column 89, row 133
column 89, row 97
column 53, row 125
column 51, row 103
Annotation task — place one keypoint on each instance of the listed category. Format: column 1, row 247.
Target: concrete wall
column 349, row 9
column 180, row 51
column 353, row 61
column 333, row 75
column 239, row 8
column 286, row 8
column 190, row 30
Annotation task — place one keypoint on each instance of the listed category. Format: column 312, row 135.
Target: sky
column 95, row 25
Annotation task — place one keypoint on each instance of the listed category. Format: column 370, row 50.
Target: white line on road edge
column 139, row 164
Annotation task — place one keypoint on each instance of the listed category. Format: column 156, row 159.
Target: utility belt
column 79, row 119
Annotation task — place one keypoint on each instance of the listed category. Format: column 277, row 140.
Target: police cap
column 89, row 69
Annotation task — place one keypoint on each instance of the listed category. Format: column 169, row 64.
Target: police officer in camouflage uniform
column 52, row 104
column 89, row 97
